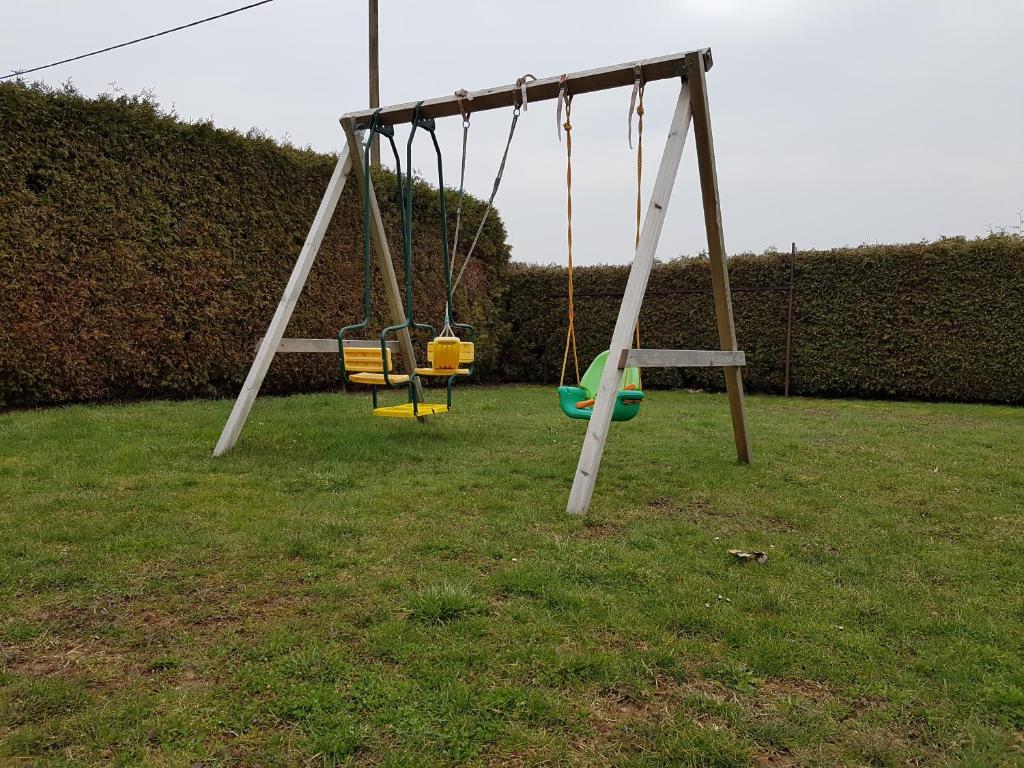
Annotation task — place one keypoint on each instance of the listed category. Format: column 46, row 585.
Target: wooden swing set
column 610, row 384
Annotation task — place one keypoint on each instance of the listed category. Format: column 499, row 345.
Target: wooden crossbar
column 329, row 346
column 660, row 68
column 680, row 358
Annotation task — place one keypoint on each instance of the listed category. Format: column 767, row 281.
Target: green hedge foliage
column 143, row 257
column 934, row 321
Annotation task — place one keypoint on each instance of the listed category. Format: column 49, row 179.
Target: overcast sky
column 836, row 123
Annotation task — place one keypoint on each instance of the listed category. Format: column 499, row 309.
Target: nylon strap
column 638, row 91
column 521, row 86
column 562, row 88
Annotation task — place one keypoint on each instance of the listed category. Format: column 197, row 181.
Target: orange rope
column 570, row 335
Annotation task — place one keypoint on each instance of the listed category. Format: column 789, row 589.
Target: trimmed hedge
column 933, row 321
column 143, row 257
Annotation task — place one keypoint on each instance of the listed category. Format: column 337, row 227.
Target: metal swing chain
column 518, row 106
column 462, row 94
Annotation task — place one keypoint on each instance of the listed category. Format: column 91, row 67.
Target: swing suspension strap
column 565, row 98
column 636, row 103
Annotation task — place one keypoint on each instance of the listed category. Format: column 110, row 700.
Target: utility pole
column 374, row 79
column 789, row 323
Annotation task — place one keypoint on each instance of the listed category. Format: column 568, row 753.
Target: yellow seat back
column 446, row 353
column 365, row 360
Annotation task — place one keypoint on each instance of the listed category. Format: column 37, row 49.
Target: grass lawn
column 349, row 590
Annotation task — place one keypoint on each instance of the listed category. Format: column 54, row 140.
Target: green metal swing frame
column 405, row 201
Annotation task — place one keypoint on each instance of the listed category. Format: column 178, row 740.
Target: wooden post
column 384, row 262
column 695, row 75
column 789, row 322
column 292, row 291
column 374, row 66
column 629, row 310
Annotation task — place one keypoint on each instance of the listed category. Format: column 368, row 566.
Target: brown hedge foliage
column 142, row 257
column 934, row 321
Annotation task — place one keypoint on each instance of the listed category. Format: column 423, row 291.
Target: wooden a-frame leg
column 283, row 313
column 384, row 262
column 695, row 72
column 629, row 310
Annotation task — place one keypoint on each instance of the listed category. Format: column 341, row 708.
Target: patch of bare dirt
column 867, row 703
column 613, row 640
column 778, row 688
column 614, row 714
column 115, row 642
column 102, row 667
column 522, row 757
column 774, row 690
column 693, row 508
column 772, row 524
column 774, row 760
column 700, row 510
column 598, row 531
column 709, row 689
column 610, row 710
column 210, row 606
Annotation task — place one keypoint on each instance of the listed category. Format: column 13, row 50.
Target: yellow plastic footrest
column 377, row 379
column 442, row 371
column 404, row 411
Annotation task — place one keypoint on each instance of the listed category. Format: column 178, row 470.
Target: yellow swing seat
column 447, row 355
column 404, row 411
column 368, row 365
column 377, row 379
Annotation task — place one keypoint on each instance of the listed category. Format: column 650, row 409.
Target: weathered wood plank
column 660, row 68
column 329, row 346
column 716, row 247
column 629, row 310
column 283, row 313
column 681, row 358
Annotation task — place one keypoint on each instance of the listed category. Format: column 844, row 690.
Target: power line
column 21, row 72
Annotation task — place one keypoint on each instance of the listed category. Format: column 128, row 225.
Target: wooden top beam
column 661, row 68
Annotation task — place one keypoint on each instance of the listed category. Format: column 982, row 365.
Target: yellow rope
column 570, row 335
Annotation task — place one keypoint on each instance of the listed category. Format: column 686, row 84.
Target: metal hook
column 462, row 95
